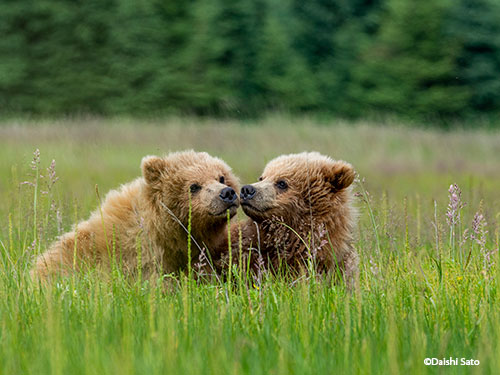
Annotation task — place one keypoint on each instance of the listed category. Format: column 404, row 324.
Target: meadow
column 428, row 285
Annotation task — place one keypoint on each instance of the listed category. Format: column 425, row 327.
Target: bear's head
column 195, row 183
column 296, row 187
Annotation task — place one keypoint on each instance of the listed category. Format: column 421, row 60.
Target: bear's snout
column 247, row 192
column 228, row 195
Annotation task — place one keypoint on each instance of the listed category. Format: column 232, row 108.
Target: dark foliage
column 419, row 60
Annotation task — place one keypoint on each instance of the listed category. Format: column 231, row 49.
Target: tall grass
column 428, row 287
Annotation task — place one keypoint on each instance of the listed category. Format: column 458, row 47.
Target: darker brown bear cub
column 151, row 214
column 300, row 216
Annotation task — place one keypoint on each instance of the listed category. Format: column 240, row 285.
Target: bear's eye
column 222, row 179
column 281, row 184
column 194, row 188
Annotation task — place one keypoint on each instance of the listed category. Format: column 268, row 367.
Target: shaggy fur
column 147, row 214
column 311, row 220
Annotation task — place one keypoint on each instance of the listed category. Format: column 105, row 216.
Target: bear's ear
column 340, row 175
column 153, row 168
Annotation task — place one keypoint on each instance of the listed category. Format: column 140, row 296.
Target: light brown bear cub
column 151, row 213
column 301, row 214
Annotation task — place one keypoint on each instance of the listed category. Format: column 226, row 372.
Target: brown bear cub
column 144, row 223
column 301, row 216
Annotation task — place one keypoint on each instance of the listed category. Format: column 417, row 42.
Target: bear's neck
column 277, row 234
column 173, row 238
column 304, row 238
column 210, row 236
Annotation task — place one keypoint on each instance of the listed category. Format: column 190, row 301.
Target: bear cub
column 301, row 215
column 151, row 214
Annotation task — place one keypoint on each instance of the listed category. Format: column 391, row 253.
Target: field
column 429, row 272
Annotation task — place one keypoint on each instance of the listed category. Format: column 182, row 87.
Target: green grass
column 419, row 294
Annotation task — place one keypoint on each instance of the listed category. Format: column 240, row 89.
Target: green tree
column 328, row 34
column 14, row 59
column 282, row 74
column 221, row 54
column 148, row 42
column 410, row 68
column 55, row 55
column 475, row 25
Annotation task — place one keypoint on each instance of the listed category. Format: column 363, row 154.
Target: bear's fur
column 301, row 215
column 151, row 213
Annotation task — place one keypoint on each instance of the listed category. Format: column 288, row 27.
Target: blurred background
column 433, row 61
column 98, row 84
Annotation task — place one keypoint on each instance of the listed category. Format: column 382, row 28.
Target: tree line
column 426, row 59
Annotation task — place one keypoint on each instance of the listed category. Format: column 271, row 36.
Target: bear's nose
column 247, row 192
column 228, row 195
